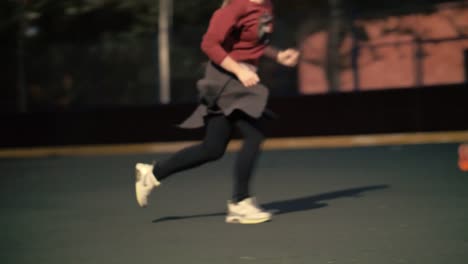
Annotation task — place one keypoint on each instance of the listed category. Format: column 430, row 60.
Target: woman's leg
column 247, row 157
column 218, row 133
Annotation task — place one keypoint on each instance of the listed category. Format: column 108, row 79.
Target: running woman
column 231, row 97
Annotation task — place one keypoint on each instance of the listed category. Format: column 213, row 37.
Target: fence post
column 21, row 73
column 466, row 66
column 165, row 13
column 334, row 41
column 418, row 62
column 355, row 52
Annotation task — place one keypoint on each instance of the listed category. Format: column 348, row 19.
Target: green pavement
column 405, row 204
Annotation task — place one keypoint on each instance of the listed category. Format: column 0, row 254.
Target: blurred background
column 92, row 55
column 81, row 54
column 360, row 165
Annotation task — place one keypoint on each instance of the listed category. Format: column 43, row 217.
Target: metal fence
column 87, row 75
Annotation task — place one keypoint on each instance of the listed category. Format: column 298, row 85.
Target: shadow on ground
column 293, row 205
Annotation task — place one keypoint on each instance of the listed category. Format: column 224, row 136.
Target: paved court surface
column 406, row 204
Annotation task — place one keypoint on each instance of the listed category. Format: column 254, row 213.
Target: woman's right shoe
column 247, row 212
column 145, row 182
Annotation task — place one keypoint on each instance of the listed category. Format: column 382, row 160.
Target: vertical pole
column 355, row 64
column 466, row 66
column 165, row 13
column 333, row 65
column 418, row 62
column 20, row 70
column 355, row 52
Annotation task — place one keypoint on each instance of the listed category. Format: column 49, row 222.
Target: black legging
column 218, row 133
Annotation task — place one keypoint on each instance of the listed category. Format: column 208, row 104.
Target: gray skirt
column 220, row 92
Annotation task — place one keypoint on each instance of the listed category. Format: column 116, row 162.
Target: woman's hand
column 288, row 58
column 247, row 77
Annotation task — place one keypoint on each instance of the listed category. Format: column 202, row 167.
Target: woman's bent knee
column 213, row 153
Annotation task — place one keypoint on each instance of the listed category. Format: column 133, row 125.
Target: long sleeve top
column 241, row 30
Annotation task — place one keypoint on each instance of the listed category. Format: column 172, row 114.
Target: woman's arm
column 271, row 52
column 221, row 24
column 247, row 77
column 288, row 57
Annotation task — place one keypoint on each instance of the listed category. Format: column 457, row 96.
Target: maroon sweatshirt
column 241, row 30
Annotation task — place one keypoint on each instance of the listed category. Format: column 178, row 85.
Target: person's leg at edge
column 243, row 208
column 247, row 157
column 218, row 133
column 213, row 147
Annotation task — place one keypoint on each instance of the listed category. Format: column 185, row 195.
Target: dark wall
column 392, row 111
column 8, row 78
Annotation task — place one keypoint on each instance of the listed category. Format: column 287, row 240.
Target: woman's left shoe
column 145, row 182
column 247, row 212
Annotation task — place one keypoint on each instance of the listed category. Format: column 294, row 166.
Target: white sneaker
column 145, row 182
column 246, row 212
